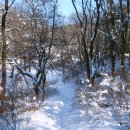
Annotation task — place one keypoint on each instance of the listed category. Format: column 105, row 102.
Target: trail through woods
column 59, row 112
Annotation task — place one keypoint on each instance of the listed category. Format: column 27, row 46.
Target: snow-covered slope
column 58, row 111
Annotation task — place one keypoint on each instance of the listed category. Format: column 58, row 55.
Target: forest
column 64, row 73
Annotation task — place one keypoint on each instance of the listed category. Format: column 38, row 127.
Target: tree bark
column 4, row 49
column 111, row 38
column 124, row 35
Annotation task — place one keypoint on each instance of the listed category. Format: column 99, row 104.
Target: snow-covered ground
column 59, row 112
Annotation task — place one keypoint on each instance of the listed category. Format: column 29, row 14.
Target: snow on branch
column 106, row 34
column 1, row 89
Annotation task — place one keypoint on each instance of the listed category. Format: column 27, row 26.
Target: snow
column 34, row 98
column 58, row 111
column 103, row 33
column 82, row 31
column 52, row 115
column 106, row 82
column 5, row 12
column 127, row 54
column 1, row 89
column 41, row 121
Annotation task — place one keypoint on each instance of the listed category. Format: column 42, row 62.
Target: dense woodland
column 93, row 44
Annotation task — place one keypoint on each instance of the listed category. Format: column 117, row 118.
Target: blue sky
column 65, row 7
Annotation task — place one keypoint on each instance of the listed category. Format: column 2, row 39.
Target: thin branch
column 11, row 4
column 77, row 12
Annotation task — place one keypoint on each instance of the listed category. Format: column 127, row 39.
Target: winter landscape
column 61, row 71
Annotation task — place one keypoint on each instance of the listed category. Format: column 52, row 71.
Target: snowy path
column 58, row 111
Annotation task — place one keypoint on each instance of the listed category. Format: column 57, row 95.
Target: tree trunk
column 113, row 57
column 86, row 57
column 111, row 38
column 124, row 36
column 4, row 49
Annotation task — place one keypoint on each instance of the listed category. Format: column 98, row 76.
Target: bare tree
column 84, row 25
column 4, row 47
column 124, row 14
column 40, row 22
